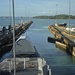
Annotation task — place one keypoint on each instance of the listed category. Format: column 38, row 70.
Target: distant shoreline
column 61, row 16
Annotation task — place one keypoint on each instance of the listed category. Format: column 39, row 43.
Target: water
column 60, row 62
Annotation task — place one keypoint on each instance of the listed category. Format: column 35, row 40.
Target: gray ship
column 28, row 60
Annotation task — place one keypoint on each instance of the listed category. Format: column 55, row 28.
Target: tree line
column 61, row 16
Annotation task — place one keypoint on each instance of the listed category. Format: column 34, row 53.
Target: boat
column 6, row 36
column 28, row 60
column 61, row 25
column 24, row 58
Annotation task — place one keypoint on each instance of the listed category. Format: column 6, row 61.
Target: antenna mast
column 69, row 13
column 10, row 11
column 13, row 23
column 56, row 13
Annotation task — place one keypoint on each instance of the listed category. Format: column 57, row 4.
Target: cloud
column 43, row 12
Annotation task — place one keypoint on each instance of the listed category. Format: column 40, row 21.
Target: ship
column 6, row 36
column 24, row 58
column 28, row 60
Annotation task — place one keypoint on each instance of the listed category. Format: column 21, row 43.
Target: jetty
column 64, row 37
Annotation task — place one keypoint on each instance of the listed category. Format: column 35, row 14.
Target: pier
column 65, row 35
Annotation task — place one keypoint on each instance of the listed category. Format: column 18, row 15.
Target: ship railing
column 21, row 64
column 49, row 70
column 26, row 64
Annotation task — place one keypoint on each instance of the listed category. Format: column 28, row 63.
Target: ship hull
column 6, row 40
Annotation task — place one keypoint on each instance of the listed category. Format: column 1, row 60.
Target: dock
column 67, row 37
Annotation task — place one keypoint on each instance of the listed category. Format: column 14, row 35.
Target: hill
column 61, row 16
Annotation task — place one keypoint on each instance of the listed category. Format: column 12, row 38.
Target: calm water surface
column 60, row 62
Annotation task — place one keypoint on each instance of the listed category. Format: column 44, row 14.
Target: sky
column 30, row 8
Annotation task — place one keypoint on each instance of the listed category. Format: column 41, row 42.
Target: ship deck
column 24, row 66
